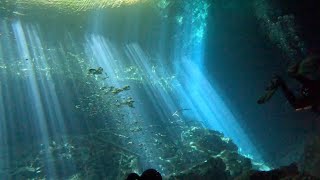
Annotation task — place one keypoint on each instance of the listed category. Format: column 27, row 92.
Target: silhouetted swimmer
column 133, row 176
column 149, row 174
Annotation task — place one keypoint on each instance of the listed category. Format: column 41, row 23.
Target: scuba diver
column 307, row 73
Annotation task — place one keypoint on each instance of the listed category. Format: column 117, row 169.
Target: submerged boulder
column 208, row 149
column 284, row 172
column 310, row 160
column 210, row 141
column 213, row 168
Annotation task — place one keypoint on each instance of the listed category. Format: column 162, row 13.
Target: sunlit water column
column 49, row 89
column 114, row 60
column 4, row 149
column 197, row 91
column 158, row 85
column 13, row 120
column 51, row 101
column 107, row 56
column 33, row 92
column 212, row 111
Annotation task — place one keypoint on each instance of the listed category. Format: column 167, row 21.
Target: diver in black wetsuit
column 307, row 72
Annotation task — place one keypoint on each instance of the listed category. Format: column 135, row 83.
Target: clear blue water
column 161, row 88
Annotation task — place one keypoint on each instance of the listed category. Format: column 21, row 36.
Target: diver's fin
column 268, row 94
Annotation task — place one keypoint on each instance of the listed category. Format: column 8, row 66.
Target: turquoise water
column 98, row 93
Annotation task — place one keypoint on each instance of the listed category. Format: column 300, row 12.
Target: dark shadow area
column 241, row 61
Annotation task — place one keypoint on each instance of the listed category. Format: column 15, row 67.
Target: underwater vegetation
column 95, row 155
column 201, row 154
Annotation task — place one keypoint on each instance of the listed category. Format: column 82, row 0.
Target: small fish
column 179, row 111
column 126, row 88
column 104, row 88
column 97, row 71
column 18, row 13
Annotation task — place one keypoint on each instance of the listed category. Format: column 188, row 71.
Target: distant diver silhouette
column 307, row 73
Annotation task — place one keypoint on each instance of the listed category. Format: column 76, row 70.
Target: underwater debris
column 97, row 71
